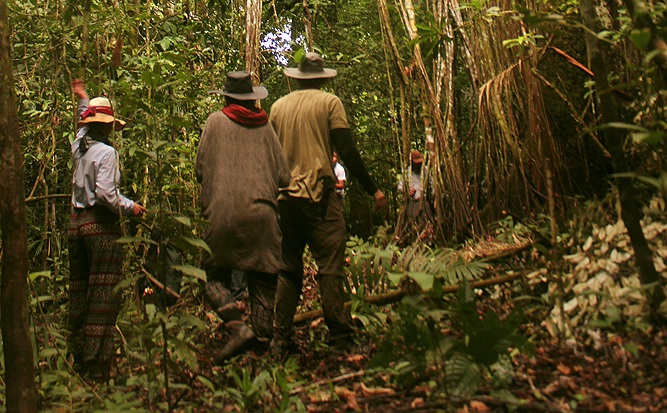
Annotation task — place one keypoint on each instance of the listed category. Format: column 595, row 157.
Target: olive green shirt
column 302, row 120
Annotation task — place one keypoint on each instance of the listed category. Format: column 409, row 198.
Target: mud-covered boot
column 280, row 348
column 241, row 338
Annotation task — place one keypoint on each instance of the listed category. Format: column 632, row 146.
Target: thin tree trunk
column 19, row 364
column 614, row 139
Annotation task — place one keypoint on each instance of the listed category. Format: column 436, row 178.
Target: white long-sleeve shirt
column 96, row 175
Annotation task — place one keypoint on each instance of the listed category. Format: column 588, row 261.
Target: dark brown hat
column 310, row 67
column 416, row 156
column 239, row 86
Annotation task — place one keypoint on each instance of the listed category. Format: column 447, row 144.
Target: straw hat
column 100, row 111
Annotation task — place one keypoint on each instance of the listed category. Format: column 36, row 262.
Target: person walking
column 339, row 174
column 241, row 167
column 96, row 259
column 310, row 123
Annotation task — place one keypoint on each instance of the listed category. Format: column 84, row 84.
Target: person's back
column 241, row 167
column 303, row 120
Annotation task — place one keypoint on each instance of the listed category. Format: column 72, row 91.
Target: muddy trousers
column 261, row 296
column 321, row 226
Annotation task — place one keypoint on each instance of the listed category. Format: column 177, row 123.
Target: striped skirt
column 96, row 263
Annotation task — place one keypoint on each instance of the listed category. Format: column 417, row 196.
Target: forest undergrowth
column 507, row 323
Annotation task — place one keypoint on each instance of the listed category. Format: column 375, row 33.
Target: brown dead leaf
column 212, row 317
column 376, row 391
column 564, row 369
column 477, row 406
column 551, row 387
column 316, row 322
column 349, row 396
column 320, row 396
column 417, row 403
column 610, row 405
column 355, row 358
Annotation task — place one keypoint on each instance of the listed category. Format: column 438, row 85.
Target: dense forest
column 536, row 282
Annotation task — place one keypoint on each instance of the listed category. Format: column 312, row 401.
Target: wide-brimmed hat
column 416, row 156
column 100, row 111
column 239, row 86
column 310, row 67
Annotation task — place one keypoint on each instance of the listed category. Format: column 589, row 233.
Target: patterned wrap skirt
column 96, row 263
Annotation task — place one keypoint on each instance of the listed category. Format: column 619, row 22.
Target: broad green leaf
column 649, row 137
column 191, row 270
column 48, row 352
column 424, row 280
column 299, row 54
column 395, row 277
column 197, row 242
column 641, row 37
column 183, row 220
column 35, row 275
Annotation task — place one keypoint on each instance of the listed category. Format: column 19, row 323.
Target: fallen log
column 396, row 295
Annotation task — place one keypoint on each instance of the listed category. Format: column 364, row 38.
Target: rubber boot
column 240, row 339
column 336, row 316
column 287, row 299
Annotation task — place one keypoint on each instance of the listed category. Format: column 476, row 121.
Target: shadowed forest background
column 538, row 283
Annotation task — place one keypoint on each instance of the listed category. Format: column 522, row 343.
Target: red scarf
column 244, row 116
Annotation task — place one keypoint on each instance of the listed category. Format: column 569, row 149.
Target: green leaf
column 35, row 275
column 424, row 280
column 191, row 270
column 651, row 138
column 395, row 277
column 130, row 240
column 183, row 220
column 48, row 352
column 197, row 242
column 641, row 38
column 299, row 54
column 632, row 348
column 621, row 125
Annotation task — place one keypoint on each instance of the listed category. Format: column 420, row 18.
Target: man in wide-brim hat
column 241, row 167
column 310, row 123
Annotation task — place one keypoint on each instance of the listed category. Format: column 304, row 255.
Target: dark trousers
column 261, row 296
column 320, row 225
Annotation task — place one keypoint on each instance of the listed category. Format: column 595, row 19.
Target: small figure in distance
column 339, row 173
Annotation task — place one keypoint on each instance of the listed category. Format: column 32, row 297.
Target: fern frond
column 462, row 375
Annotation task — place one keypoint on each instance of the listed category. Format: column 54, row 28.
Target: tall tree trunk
column 614, row 139
column 19, row 364
column 253, row 26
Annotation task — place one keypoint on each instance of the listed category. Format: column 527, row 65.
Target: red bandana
column 244, row 116
column 93, row 110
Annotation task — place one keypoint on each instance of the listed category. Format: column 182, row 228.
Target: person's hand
column 380, row 200
column 412, row 192
column 138, row 210
column 78, row 89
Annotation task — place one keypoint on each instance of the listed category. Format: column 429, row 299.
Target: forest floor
column 623, row 371
column 580, row 310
